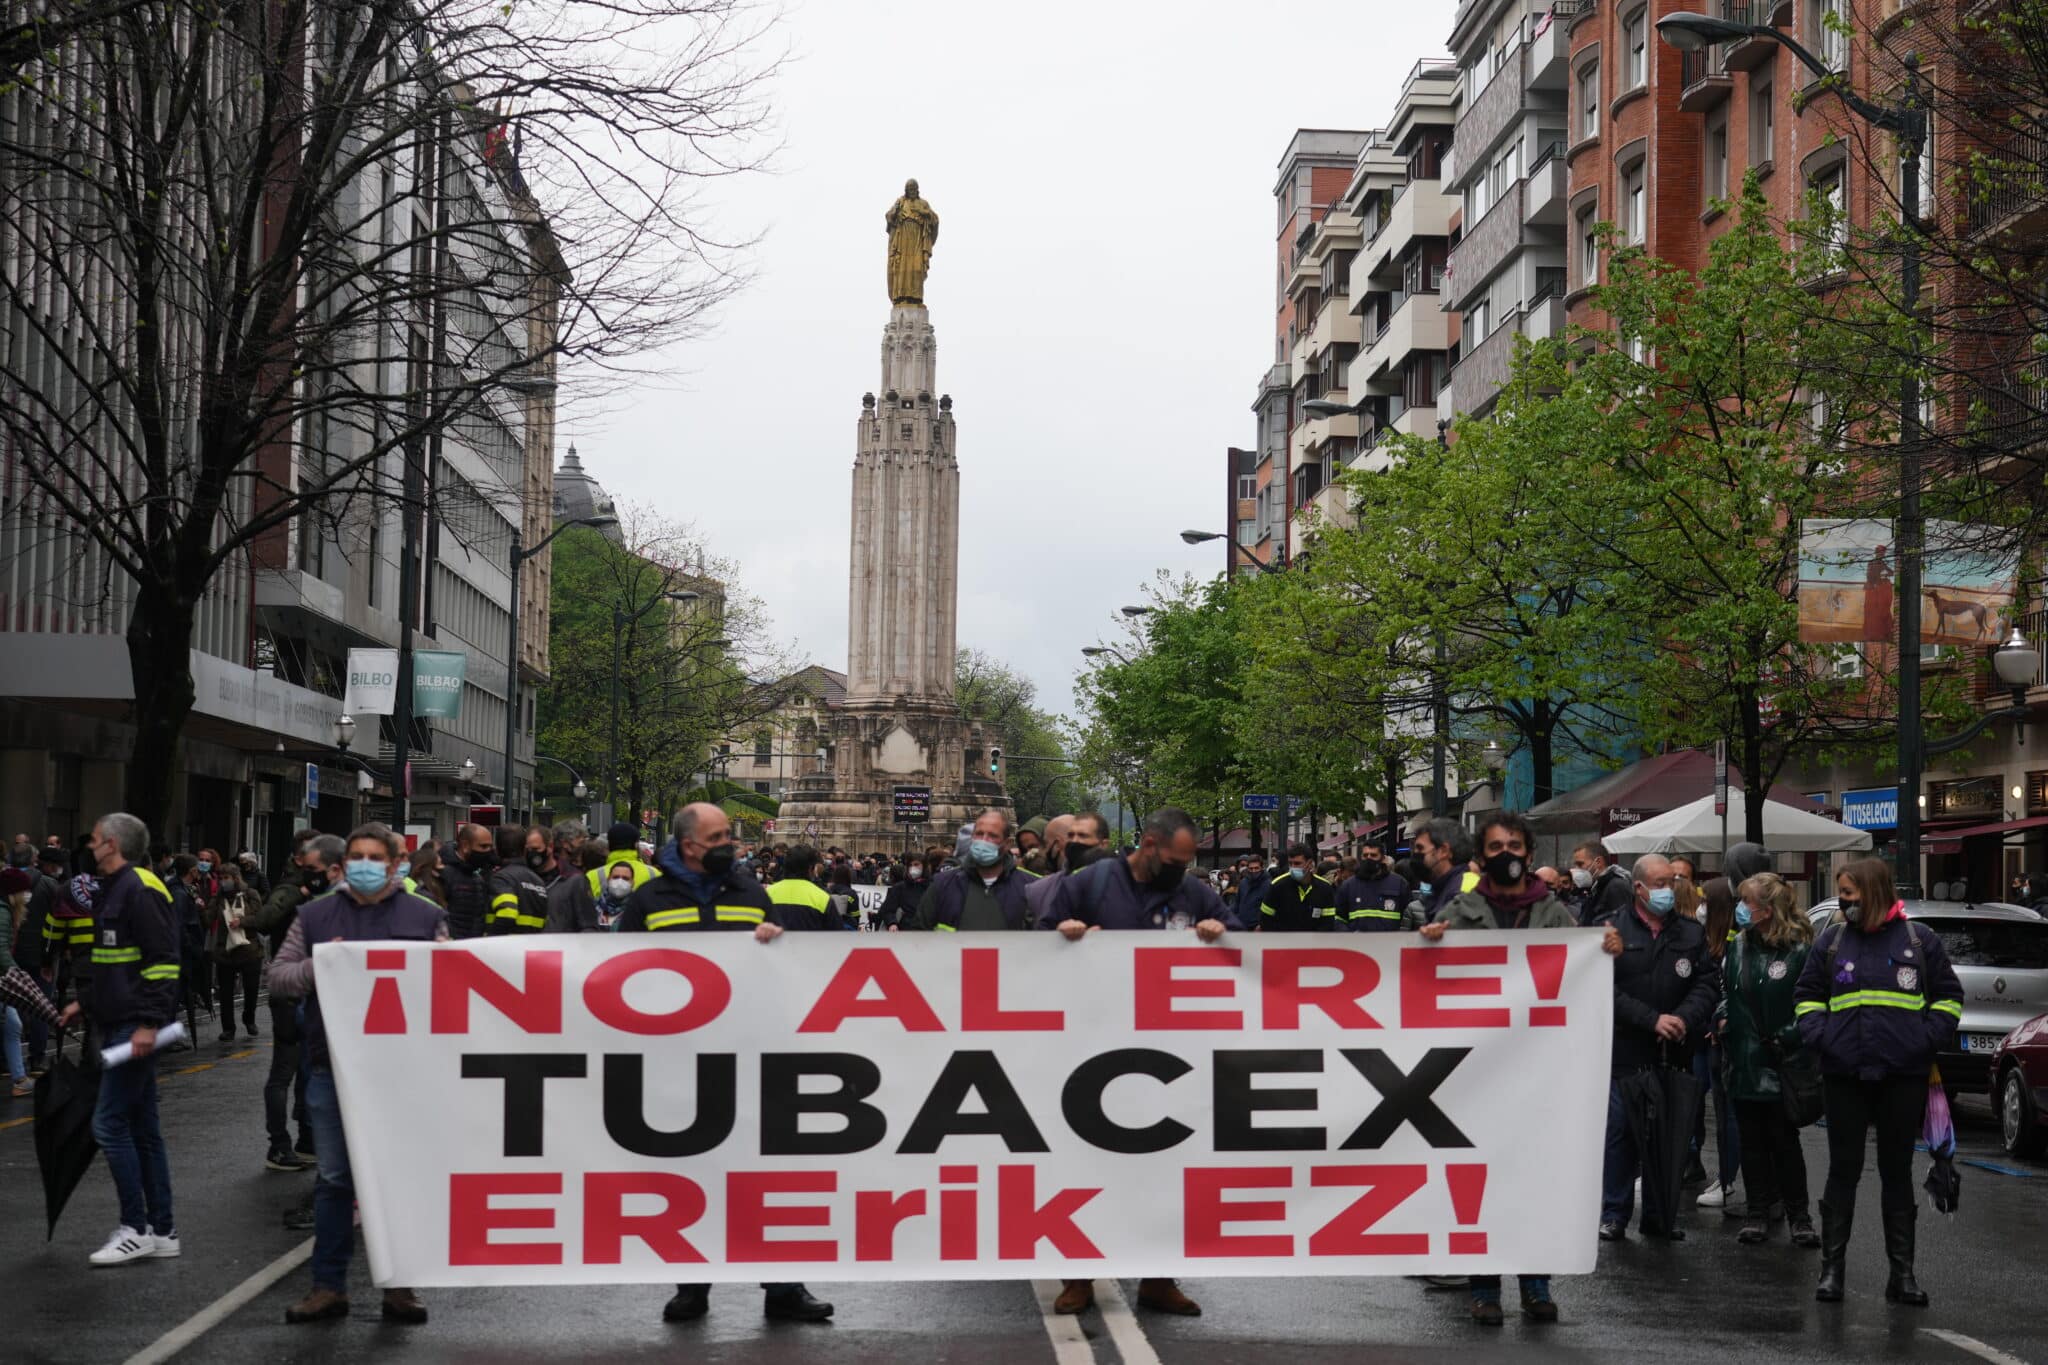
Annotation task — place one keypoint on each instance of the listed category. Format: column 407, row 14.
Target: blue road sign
column 1256, row 802
column 312, row 786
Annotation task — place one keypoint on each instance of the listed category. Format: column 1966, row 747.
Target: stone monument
column 900, row 725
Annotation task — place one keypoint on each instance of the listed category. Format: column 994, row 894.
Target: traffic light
column 995, row 761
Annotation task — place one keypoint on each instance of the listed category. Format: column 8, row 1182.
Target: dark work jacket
column 1372, row 906
column 899, row 906
column 572, row 909
column 946, row 902
column 670, row 903
column 1251, row 894
column 1458, row 881
column 1757, row 1028
column 1612, row 892
column 1879, row 1004
column 469, row 895
column 1107, row 895
column 519, row 901
column 1665, row 973
column 1299, row 907
column 130, row 976
column 801, row 903
column 400, row 916
column 28, row 939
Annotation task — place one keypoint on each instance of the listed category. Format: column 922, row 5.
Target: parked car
column 2000, row 954
column 2019, row 1088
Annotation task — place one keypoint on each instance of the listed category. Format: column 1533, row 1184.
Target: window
column 1923, row 200
column 1475, row 321
column 1827, row 34
column 764, row 747
column 1846, row 663
column 1247, row 487
column 1589, row 249
column 1829, row 205
column 1635, row 43
column 1589, row 101
column 1715, row 172
column 1762, row 123
column 1632, row 207
column 1247, row 532
column 1421, row 378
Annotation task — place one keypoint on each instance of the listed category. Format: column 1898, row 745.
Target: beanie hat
column 622, row 837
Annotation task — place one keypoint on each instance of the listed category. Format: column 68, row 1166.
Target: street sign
column 1261, row 803
column 1294, row 803
column 1720, row 777
column 490, row 817
column 312, row 786
column 913, row 805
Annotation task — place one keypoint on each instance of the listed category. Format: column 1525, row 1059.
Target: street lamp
column 1203, row 537
column 581, row 789
column 2017, row 663
column 344, row 733
column 1323, row 407
column 1135, row 612
column 1907, row 120
column 620, row 620
column 518, row 556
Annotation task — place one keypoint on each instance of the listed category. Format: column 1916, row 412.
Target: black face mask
column 718, row 861
column 1168, row 876
column 1372, row 869
column 312, row 878
column 1074, row 856
column 480, row 859
column 1852, row 909
column 536, row 860
column 1505, row 868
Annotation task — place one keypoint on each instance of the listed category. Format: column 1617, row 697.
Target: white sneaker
column 1715, row 1196
column 166, row 1247
column 125, row 1245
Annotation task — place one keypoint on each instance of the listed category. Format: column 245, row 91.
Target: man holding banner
column 699, row 887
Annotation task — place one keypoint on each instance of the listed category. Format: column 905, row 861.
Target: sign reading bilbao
column 601, row 1108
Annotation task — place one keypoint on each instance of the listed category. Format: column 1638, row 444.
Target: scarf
column 1511, row 908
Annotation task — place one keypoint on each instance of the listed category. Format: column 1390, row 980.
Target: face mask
column 536, row 860
column 1852, row 909
column 1168, row 876
column 1372, row 869
column 1424, row 889
column 367, row 876
column 1299, row 874
column 1661, row 901
column 618, row 888
column 480, row 858
column 983, row 853
column 205, row 865
column 1742, row 914
column 1505, row 868
column 312, row 878
column 916, row 871
column 718, row 861
column 1581, row 878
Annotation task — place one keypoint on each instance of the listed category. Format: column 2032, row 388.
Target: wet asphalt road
column 1706, row 1299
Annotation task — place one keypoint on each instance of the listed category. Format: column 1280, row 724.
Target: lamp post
column 517, row 557
column 1203, row 537
column 581, row 789
column 620, row 620
column 1907, row 120
column 1097, row 651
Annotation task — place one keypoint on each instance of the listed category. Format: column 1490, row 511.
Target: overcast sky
column 1102, row 290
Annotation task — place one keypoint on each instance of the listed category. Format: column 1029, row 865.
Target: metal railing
column 2008, row 180
column 1549, row 284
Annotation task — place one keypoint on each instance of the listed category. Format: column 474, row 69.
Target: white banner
column 869, row 903
column 598, row 1108
column 372, row 682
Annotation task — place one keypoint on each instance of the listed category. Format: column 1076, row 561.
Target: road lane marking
column 16, row 1123
column 189, row 1070
column 238, row 1056
column 1070, row 1345
column 1123, row 1326
column 1973, row 1346
column 211, row 1316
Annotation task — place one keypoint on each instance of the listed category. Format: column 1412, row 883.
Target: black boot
column 796, row 1305
column 1898, row 1250
column 1834, row 1250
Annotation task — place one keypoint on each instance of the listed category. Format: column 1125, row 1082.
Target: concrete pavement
column 1706, row 1299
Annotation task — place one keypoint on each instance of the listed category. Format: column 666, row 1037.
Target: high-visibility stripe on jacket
column 1878, row 1004
column 598, row 876
column 130, row 969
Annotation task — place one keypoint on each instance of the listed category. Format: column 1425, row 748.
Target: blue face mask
column 367, row 876
column 983, row 853
column 1661, row 901
column 1424, row 889
column 1299, row 874
column 1742, row 914
column 205, row 865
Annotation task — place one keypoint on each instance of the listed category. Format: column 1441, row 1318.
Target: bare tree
column 259, row 261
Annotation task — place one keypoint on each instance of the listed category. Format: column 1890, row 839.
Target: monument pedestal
column 899, row 724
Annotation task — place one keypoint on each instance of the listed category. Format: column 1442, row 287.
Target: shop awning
column 2003, row 827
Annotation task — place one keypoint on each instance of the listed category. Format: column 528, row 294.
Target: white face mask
column 619, row 887
column 1581, row 878
column 916, row 871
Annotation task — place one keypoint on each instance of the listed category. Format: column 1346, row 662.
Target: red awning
column 2005, row 827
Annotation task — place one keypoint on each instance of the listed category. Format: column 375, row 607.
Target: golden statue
column 913, row 231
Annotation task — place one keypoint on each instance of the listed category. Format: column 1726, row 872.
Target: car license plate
column 1982, row 1042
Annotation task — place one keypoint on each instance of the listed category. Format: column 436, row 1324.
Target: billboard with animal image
column 1848, row 582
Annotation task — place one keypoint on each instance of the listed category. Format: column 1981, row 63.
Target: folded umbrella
column 1944, row 1184
column 66, row 1096
column 1662, row 1102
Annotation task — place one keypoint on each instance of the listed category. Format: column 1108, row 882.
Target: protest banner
column 654, row 1108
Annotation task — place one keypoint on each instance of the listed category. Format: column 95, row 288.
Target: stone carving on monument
column 900, row 724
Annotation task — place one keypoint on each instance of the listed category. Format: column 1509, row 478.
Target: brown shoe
column 318, row 1306
column 1164, row 1296
column 1076, row 1296
column 402, row 1305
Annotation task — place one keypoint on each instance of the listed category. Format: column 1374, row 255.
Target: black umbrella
column 1945, row 1183
column 1662, row 1102
column 66, row 1095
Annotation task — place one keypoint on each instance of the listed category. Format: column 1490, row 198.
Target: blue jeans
column 125, row 1126
column 1705, row 1067
column 10, row 1030
column 1620, row 1166
column 1486, row 1288
column 334, row 1190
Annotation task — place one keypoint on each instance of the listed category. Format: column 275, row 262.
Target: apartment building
column 1506, row 271
column 1326, row 341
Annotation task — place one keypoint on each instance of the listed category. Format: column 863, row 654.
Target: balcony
column 1333, row 506
column 2009, row 190
column 1483, row 371
column 1550, row 46
column 1545, row 318
column 1488, row 114
column 1703, row 79
column 1751, row 53
column 1418, row 325
column 1423, row 210
column 1486, row 246
column 1543, row 204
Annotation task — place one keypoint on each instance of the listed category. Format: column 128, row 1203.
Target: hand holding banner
column 643, row 1108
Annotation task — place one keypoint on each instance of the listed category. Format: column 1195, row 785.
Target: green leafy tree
column 1005, row 700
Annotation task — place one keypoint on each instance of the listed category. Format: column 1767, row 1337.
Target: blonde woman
column 1758, row 1031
